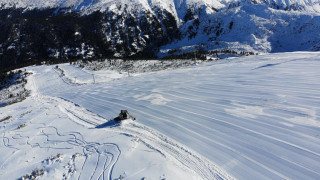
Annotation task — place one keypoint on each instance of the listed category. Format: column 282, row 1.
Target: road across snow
column 255, row 117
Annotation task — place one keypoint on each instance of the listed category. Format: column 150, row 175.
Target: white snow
column 256, row 28
column 253, row 117
column 176, row 7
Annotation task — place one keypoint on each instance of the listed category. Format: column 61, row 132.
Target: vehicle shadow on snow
column 110, row 123
column 269, row 65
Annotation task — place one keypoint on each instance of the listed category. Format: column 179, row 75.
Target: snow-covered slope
column 250, row 28
column 292, row 5
column 176, row 7
column 253, row 117
column 171, row 5
column 49, row 137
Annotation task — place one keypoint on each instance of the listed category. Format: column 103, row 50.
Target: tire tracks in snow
column 107, row 153
column 230, row 123
column 270, row 169
column 168, row 148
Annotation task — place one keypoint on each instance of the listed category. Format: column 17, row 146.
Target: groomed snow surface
column 254, row 117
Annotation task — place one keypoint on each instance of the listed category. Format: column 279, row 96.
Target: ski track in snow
column 58, row 140
column 107, row 153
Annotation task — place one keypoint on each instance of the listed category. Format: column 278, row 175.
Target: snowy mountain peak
column 66, row 29
column 293, row 5
column 169, row 5
column 175, row 7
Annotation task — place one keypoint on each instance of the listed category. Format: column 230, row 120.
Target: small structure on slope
column 124, row 115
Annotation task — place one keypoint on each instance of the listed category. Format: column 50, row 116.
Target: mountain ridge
column 72, row 29
column 89, row 6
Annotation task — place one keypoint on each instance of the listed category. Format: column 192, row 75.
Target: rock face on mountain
column 35, row 30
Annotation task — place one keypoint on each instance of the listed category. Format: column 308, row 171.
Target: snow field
column 255, row 117
column 68, row 142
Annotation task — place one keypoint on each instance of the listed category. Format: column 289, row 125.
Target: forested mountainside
column 33, row 31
